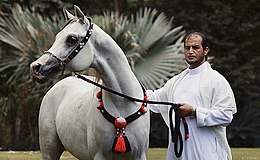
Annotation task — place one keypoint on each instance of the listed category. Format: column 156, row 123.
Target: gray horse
column 69, row 118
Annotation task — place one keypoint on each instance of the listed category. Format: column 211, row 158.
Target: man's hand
column 185, row 109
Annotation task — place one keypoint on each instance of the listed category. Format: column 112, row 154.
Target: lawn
column 153, row 154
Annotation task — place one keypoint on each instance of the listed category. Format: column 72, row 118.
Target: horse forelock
column 75, row 19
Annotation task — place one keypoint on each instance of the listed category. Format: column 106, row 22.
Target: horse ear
column 79, row 13
column 67, row 14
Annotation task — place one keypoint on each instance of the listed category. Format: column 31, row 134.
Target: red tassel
column 120, row 146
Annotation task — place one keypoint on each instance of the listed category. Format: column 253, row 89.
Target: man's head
column 195, row 49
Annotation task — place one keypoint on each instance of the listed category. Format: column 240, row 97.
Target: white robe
column 214, row 99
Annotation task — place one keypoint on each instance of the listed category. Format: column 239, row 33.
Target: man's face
column 193, row 51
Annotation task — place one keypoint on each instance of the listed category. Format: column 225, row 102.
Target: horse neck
column 114, row 69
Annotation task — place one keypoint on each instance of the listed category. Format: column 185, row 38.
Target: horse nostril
column 37, row 68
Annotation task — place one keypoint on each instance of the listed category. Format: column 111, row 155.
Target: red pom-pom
column 99, row 95
column 100, row 105
column 120, row 122
column 143, row 109
column 145, row 97
column 187, row 136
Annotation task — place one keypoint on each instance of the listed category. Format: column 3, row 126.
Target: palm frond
column 159, row 49
column 28, row 34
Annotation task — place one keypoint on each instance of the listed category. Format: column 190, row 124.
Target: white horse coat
column 69, row 118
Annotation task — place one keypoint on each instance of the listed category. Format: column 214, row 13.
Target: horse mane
column 94, row 73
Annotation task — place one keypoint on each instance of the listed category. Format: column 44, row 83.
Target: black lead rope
column 123, row 95
column 176, row 133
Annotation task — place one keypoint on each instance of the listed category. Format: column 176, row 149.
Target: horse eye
column 71, row 40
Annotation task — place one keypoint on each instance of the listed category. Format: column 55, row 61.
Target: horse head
column 71, row 47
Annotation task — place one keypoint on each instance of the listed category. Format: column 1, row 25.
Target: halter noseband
column 77, row 48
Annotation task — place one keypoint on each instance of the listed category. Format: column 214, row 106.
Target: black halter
column 77, row 48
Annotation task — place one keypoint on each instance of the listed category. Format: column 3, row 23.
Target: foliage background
column 232, row 26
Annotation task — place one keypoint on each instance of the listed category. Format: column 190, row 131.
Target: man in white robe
column 206, row 101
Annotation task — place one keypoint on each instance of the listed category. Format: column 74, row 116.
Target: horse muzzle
column 45, row 67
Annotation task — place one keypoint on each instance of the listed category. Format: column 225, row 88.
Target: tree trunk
column 117, row 5
column 141, row 3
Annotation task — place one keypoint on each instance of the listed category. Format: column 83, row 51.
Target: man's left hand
column 185, row 109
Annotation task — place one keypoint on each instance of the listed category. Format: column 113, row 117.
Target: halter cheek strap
column 77, row 48
column 80, row 45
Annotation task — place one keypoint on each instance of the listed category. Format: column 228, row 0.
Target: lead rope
column 175, row 133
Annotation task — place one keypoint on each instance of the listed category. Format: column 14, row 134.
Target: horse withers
column 69, row 118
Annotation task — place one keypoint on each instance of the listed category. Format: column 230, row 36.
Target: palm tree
column 24, row 35
column 244, row 130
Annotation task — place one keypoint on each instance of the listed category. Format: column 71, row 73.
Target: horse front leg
column 125, row 156
column 50, row 144
column 99, row 156
column 143, row 157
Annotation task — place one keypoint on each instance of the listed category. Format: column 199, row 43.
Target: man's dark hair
column 205, row 40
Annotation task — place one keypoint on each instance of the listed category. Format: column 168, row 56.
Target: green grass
column 153, row 154
column 246, row 153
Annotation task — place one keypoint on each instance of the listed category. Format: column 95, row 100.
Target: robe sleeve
column 222, row 105
column 152, row 97
column 161, row 94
